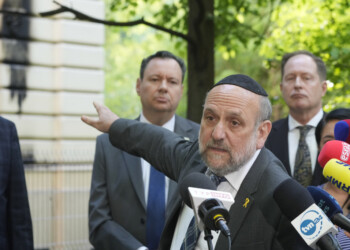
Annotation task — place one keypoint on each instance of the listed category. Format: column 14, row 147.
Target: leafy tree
column 319, row 26
column 232, row 23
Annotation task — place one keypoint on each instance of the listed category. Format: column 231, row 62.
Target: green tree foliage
column 239, row 25
column 319, row 26
column 246, row 33
column 125, row 48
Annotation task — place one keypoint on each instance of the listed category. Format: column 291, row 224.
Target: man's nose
column 163, row 84
column 218, row 131
column 298, row 81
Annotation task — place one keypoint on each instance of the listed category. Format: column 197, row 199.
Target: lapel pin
column 246, row 202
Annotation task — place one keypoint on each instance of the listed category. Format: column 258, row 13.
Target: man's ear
column 138, row 83
column 324, row 87
column 262, row 133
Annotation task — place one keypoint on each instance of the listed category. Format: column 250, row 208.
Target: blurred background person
column 129, row 197
column 324, row 133
column 292, row 139
column 16, row 230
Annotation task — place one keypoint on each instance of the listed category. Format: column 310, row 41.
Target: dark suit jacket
column 277, row 142
column 260, row 225
column 15, row 222
column 117, row 207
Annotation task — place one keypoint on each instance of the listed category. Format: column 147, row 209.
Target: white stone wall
column 51, row 70
column 61, row 62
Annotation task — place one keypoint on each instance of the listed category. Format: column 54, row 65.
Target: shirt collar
column 236, row 178
column 170, row 125
column 292, row 123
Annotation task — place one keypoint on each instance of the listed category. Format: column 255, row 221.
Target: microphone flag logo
column 312, row 224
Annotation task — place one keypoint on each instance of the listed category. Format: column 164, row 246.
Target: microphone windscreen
column 196, row 180
column 325, row 201
column 338, row 174
column 334, row 150
column 341, row 130
column 292, row 198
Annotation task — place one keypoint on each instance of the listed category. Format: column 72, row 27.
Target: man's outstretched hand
column 105, row 118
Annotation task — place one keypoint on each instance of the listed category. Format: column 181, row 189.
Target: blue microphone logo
column 308, row 227
column 311, row 224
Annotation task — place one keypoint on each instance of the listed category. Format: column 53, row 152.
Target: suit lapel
column 182, row 128
column 281, row 143
column 243, row 202
column 135, row 174
column 244, row 199
column 171, row 190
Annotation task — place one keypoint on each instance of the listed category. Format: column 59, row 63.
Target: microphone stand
column 208, row 237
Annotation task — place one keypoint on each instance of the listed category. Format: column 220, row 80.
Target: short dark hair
column 336, row 114
column 321, row 67
column 162, row 54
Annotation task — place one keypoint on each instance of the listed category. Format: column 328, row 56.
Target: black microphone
column 307, row 218
column 211, row 211
column 330, row 207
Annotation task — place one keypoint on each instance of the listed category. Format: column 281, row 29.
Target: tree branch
column 81, row 16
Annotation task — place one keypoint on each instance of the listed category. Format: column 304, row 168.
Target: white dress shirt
column 146, row 170
column 232, row 185
column 293, row 139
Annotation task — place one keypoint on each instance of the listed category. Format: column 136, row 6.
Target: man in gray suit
column 234, row 126
column 119, row 205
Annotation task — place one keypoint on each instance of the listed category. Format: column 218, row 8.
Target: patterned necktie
column 302, row 167
column 193, row 232
column 217, row 179
column 155, row 208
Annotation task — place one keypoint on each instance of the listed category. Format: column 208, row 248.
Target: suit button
column 143, row 221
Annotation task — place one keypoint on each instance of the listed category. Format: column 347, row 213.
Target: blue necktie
column 193, row 232
column 155, row 208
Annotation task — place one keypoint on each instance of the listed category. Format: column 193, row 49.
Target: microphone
column 330, row 207
column 342, row 130
column 338, row 173
column 306, row 217
column 197, row 180
column 334, row 149
column 210, row 206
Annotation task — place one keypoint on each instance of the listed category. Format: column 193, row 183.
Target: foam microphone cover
column 292, row 198
column 325, row 201
column 338, row 173
column 196, row 180
column 341, row 130
column 330, row 207
column 334, row 150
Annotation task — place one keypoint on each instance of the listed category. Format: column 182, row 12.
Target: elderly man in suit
column 234, row 126
column 292, row 139
column 122, row 211
column 15, row 221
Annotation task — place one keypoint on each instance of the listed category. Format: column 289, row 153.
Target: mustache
column 217, row 144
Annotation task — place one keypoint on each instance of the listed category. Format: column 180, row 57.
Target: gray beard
column 236, row 161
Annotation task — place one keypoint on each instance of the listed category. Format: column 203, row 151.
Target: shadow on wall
column 15, row 31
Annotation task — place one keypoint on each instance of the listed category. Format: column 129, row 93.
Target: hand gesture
column 105, row 118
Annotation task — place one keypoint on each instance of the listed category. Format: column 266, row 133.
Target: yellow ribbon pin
column 246, row 202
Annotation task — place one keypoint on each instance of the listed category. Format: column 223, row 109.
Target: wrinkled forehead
column 300, row 63
column 230, row 92
column 231, row 97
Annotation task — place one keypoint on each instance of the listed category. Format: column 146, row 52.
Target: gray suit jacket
column 117, row 208
column 259, row 225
